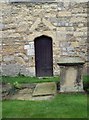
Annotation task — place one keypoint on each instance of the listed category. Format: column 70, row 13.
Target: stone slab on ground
column 42, row 98
column 26, row 94
column 22, row 97
column 43, row 89
column 29, row 97
column 25, row 91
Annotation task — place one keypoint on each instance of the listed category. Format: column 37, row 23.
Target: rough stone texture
column 24, row 93
column 71, row 79
column 42, row 89
column 65, row 23
column 71, row 60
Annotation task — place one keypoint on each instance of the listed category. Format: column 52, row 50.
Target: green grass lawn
column 62, row 106
column 24, row 79
column 27, row 79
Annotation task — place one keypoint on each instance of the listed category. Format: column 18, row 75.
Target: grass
column 27, row 79
column 86, row 83
column 86, row 78
column 62, row 106
column 24, row 79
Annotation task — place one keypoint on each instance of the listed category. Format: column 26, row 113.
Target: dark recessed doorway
column 43, row 56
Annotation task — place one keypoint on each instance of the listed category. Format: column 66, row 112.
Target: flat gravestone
column 43, row 89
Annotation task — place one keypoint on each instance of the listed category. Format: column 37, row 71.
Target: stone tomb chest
column 71, row 74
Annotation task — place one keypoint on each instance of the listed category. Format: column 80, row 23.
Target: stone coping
column 70, row 61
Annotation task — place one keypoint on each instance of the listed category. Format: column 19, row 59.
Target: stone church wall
column 65, row 23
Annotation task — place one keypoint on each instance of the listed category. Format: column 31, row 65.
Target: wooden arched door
column 43, row 56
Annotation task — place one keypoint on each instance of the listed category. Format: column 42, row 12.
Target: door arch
column 43, row 56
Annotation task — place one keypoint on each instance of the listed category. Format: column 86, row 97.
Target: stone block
column 77, row 34
column 80, row 15
column 22, row 55
column 1, row 34
column 0, row 58
column 77, row 19
column 62, row 29
column 75, row 44
column 48, row 24
column 22, row 28
column 77, row 10
column 35, row 24
column 8, row 58
column 10, row 69
column 69, row 28
column 80, row 25
column 20, row 60
column 64, row 13
column 14, row 35
column 64, row 53
column 83, row 29
column 10, row 26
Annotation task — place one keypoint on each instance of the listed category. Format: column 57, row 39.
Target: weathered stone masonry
column 65, row 23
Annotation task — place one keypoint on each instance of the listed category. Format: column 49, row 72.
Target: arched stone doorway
column 43, row 56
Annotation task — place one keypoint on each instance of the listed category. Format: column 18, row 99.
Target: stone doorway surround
column 51, row 34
